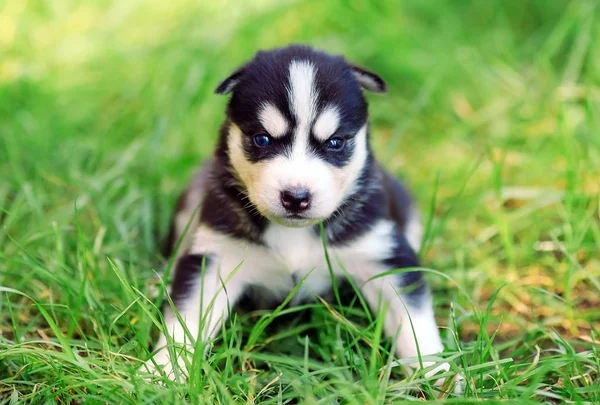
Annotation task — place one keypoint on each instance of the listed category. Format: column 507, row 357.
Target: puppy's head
column 297, row 137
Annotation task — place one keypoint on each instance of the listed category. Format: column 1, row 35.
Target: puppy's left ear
column 368, row 80
column 228, row 85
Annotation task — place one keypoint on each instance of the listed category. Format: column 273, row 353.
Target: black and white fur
column 250, row 243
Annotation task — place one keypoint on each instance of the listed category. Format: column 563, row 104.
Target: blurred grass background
column 492, row 117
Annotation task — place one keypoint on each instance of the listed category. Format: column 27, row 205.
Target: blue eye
column 335, row 144
column 262, row 140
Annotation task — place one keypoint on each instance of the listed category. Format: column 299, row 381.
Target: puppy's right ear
column 229, row 84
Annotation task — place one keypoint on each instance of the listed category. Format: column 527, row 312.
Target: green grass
column 492, row 118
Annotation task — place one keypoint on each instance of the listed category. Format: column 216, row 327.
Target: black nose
column 295, row 199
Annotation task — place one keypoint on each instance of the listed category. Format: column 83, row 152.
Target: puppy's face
column 297, row 137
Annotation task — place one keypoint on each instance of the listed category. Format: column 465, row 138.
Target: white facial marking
column 346, row 176
column 273, row 120
column 327, row 123
column 302, row 93
column 303, row 99
column 241, row 165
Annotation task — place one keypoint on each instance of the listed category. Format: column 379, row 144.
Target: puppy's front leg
column 203, row 301
column 408, row 308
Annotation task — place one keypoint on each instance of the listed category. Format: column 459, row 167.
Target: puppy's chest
column 295, row 248
column 292, row 256
column 297, row 256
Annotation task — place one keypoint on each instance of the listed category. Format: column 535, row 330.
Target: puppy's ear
column 368, row 80
column 229, row 84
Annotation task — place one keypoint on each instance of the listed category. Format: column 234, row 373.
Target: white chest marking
column 296, row 247
column 300, row 255
column 291, row 254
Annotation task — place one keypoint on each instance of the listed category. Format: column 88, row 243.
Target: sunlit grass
column 492, row 118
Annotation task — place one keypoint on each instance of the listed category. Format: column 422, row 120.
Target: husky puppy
column 293, row 154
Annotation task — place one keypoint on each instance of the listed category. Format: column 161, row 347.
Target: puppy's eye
column 335, row 144
column 262, row 140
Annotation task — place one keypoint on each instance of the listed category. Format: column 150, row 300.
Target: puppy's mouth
column 294, row 220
